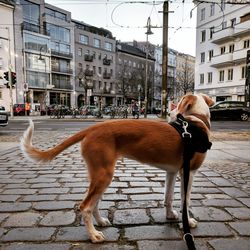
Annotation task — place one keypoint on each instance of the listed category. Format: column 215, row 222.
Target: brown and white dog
column 152, row 142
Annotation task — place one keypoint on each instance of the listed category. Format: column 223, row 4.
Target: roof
column 129, row 49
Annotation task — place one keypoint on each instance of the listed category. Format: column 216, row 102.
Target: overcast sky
column 127, row 21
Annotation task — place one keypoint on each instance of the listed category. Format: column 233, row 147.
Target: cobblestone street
column 39, row 203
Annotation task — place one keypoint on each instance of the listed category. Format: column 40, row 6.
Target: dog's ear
column 208, row 100
column 185, row 104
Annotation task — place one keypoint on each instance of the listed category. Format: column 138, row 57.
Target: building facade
column 95, row 66
column 131, row 74
column 7, row 52
column 44, row 44
column 222, row 42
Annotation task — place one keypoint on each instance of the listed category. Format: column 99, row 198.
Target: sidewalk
column 39, row 203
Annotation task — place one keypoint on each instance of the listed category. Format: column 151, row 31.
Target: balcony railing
column 89, row 72
column 62, row 70
column 106, row 61
column 242, row 29
column 223, row 35
column 223, row 60
column 106, row 75
column 88, row 58
column 63, row 85
column 61, row 54
column 239, row 56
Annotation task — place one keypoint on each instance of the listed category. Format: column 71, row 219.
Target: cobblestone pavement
column 39, row 204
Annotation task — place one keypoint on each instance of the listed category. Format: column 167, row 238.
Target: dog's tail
column 38, row 155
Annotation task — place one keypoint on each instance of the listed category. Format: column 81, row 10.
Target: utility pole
column 164, row 93
column 247, row 85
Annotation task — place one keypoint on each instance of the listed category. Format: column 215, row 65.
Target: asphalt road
column 75, row 125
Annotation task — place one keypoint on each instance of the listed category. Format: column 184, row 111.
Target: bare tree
column 185, row 79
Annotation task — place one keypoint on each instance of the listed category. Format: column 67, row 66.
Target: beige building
column 94, row 65
column 7, row 52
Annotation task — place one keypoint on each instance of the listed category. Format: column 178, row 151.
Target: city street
column 39, row 203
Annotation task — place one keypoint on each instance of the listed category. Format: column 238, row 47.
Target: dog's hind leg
column 169, row 196
column 100, row 179
column 192, row 222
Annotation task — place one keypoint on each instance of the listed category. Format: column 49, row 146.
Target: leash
column 187, row 155
column 194, row 140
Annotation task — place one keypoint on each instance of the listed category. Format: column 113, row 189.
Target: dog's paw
column 192, row 222
column 97, row 236
column 172, row 215
column 104, row 222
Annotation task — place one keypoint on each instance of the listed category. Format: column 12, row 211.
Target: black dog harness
column 194, row 140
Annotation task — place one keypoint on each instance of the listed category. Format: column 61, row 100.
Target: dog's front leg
column 192, row 221
column 101, row 221
column 169, row 196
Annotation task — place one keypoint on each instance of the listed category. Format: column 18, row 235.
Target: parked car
column 19, row 109
column 233, row 110
column 3, row 117
column 91, row 109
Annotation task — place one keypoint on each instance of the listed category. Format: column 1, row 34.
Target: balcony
column 222, row 36
column 67, row 71
column 106, row 61
column 242, row 29
column 89, row 72
column 223, row 60
column 63, row 85
column 88, row 58
column 239, row 56
column 106, row 75
column 61, row 54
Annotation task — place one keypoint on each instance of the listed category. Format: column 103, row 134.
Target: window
column 243, row 72
column 80, row 52
column 202, row 57
column 99, row 70
column 203, row 36
column 231, row 48
column 84, row 39
column 201, row 78
column 224, row 25
column 94, row 69
column 221, row 77
column 246, row 44
column 212, row 8
column 210, row 55
column 203, row 12
column 222, row 50
column 230, row 75
column 58, row 33
column 209, row 77
column 233, row 22
column 211, row 32
column 108, row 46
column 97, row 43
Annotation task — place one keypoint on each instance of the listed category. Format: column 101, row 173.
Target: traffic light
column 7, row 85
column 13, row 79
column 6, row 76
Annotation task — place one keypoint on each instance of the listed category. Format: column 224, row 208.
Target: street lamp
column 46, row 86
column 149, row 32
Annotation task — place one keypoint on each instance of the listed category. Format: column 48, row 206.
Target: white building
column 7, row 54
column 222, row 42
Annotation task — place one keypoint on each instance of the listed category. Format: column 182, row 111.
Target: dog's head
column 192, row 104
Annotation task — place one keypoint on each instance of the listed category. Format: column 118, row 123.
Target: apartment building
column 131, row 73
column 95, row 65
column 222, row 42
column 7, row 52
column 44, row 45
